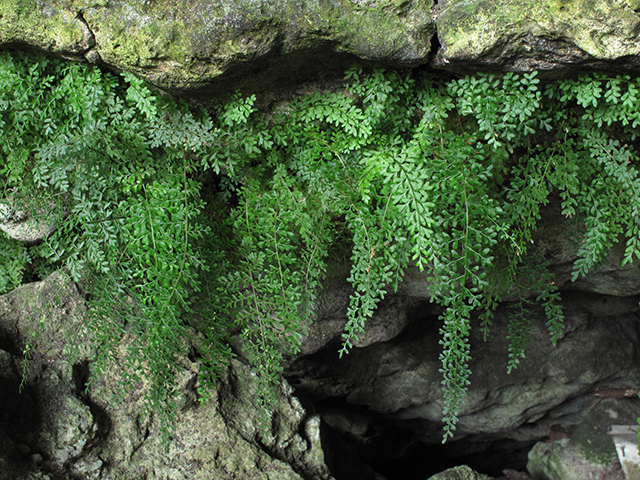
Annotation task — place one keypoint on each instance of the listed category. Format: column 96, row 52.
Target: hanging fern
column 170, row 214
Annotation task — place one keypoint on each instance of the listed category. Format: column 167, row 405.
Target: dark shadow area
column 275, row 77
column 20, row 411
column 394, row 451
column 21, row 421
column 488, row 457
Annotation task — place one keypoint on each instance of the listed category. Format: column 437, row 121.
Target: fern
column 190, row 224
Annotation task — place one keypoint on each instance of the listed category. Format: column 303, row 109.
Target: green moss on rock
column 549, row 31
column 184, row 44
column 462, row 472
column 54, row 26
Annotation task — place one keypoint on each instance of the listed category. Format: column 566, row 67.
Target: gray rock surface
column 537, row 35
column 394, row 385
column 54, row 427
column 25, row 227
column 263, row 44
column 186, row 44
column 463, row 472
column 587, row 450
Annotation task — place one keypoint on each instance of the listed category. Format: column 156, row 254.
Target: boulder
column 26, row 227
column 538, row 35
column 463, row 472
column 202, row 46
column 387, row 396
column 587, row 449
column 59, row 417
column 185, row 45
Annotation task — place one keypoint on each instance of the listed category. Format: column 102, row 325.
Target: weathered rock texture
column 187, row 45
column 587, row 451
column 184, row 44
column 53, row 428
column 25, row 227
column 538, row 34
column 386, row 396
column 462, row 472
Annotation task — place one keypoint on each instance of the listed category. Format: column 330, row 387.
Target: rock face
column 53, row 427
column 587, row 451
column 538, row 35
column 386, row 397
column 462, row 472
column 24, row 227
column 383, row 402
column 187, row 45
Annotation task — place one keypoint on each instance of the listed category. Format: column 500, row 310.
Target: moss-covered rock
column 24, row 227
column 537, row 34
column 462, row 472
column 53, row 426
column 184, row 44
column 54, row 26
column 188, row 44
column 588, row 451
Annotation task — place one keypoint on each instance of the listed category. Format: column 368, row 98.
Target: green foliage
column 186, row 223
column 114, row 166
column 13, row 259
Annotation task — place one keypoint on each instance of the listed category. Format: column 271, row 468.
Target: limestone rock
column 54, row 427
column 54, row 26
column 25, row 227
column 462, row 472
column 589, row 451
column 538, row 35
column 395, row 385
column 185, row 44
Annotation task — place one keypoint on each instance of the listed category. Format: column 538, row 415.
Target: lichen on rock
column 536, row 35
column 64, row 420
column 588, row 451
column 26, row 227
column 185, row 45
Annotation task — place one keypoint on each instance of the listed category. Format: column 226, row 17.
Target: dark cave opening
column 424, row 460
column 21, row 421
column 350, row 459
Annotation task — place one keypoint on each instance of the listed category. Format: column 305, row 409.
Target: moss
column 462, row 472
column 161, row 42
column 597, row 447
column 602, row 29
column 52, row 26
column 184, row 44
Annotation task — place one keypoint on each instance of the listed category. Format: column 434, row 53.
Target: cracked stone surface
column 25, row 227
column 186, row 44
column 53, row 428
column 386, row 394
column 201, row 46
